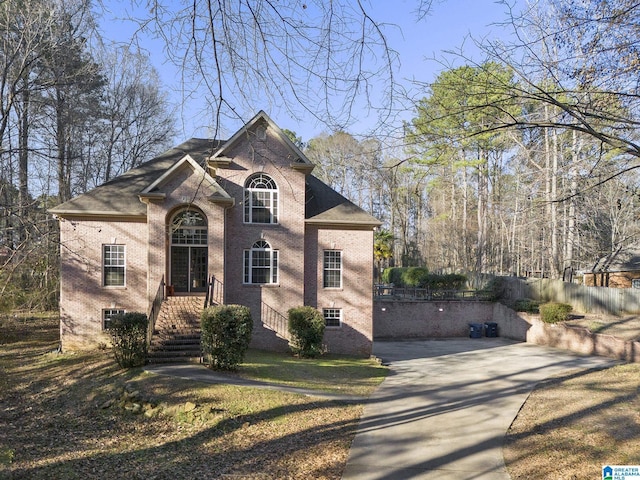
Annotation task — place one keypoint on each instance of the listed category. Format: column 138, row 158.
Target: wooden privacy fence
column 583, row 299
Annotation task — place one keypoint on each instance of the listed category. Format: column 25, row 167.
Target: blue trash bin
column 475, row 330
column 491, row 329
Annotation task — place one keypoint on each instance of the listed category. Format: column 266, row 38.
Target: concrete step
column 176, row 336
column 177, row 331
column 163, row 349
column 178, row 350
column 184, row 338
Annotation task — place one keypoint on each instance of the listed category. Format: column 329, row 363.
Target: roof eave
column 91, row 215
column 303, row 167
column 223, row 201
column 343, row 223
column 152, row 197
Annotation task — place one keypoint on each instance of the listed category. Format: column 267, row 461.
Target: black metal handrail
column 215, row 292
column 426, row 294
column 274, row 320
column 155, row 310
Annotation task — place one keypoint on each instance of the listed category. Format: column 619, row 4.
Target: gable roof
column 625, row 259
column 300, row 159
column 120, row 196
column 325, row 206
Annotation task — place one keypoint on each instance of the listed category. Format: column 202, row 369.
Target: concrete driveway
column 445, row 408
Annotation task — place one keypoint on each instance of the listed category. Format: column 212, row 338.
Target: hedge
column 306, row 326
column 129, row 339
column 226, row 334
column 555, row 312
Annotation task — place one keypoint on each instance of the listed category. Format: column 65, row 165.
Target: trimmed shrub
column 451, row 281
column 555, row 312
column 526, row 305
column 129, row 339
column 226, row 334
column 415, row 276
column 421, row 278
column 306, row 326
column 394, row 275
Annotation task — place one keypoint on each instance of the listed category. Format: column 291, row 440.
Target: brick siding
column 82, row 294
column 147, row 244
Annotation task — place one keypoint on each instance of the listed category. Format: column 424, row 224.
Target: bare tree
column 136, row 122
column 350, row 166
column 580, row 59
column 331, row 59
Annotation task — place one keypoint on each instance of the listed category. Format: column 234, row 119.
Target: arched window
column 261, row 264
column 188, row 252
column 260, row 199
column 188, row 228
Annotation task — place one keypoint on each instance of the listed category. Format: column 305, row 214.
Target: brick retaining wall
column 423, row 320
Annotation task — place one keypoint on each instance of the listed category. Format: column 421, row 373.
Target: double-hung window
column 260, row 264
column 113, row 265
column 108, row 314
column 332, row 317
column 332, row 269
column 260, row 200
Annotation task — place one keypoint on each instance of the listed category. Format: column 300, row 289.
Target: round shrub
column 555, row 312
column 394, row 275
column 526, row 305
column 415, row 276
column 129, row 339
column 306, row 327
column 226, row 334
column 450, row 281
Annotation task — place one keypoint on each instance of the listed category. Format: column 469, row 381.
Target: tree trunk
column 64, row 189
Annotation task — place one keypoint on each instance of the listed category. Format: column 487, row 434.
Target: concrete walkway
column 443, row 411
column 200, row 373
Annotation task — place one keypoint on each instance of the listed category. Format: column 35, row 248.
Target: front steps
column 176, row 336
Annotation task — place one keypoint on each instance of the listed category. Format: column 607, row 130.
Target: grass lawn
column 573, row 425
column 69, row 416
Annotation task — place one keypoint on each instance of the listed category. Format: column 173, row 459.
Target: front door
column 189, row 254
column 189, row 268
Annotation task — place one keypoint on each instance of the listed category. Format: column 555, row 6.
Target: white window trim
column 325, row 270
column 340, row 317
column 116, row 311
column 123, row 266
column 247, row 264
column 274, row 201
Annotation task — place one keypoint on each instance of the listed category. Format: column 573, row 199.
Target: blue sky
column 449, row 26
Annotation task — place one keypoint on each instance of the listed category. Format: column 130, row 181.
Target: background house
column 620, row 269
column 245, row 215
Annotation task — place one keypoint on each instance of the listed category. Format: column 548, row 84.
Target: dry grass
column 64, row 416
column 572, row 425
column 625, row 327
column 52, row 424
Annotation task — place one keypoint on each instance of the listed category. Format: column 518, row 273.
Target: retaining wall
column 394, row 320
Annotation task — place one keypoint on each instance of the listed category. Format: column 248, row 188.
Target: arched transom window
column 261, row 263
column 189, row 228
column 260, row 199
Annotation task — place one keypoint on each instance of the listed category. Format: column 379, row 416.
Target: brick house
column 243, row 220
column 619, row 269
